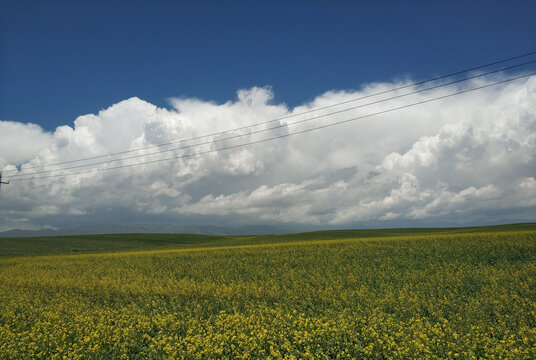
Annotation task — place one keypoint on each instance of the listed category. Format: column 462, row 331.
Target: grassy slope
column 127, row 242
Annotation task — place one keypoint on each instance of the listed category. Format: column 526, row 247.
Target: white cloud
column 468, row 157
column 20, row 142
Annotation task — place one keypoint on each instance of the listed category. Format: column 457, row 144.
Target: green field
column 466, row 293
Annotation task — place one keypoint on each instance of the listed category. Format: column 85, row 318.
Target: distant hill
column 139, row 239
column 111, row 228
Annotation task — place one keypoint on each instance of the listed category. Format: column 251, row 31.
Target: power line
column 274, row 127
column 284, row 135
column 277, row 119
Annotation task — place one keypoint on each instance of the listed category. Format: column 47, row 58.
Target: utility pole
column 2, row 182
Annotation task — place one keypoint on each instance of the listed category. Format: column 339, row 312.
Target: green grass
column 128, row 242
column 99, row 243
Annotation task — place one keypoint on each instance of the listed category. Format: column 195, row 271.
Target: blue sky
column 80, row 79
column 62, row 59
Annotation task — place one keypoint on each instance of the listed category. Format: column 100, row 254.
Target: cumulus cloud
column 20, row 142
column 467, row 158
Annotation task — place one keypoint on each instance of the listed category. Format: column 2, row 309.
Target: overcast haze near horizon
column 83, row 79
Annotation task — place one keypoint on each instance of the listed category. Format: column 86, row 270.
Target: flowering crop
column 440, row 296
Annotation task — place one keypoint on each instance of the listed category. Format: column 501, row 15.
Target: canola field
column 459, row 295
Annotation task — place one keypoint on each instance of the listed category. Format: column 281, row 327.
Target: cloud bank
column 466, row 159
